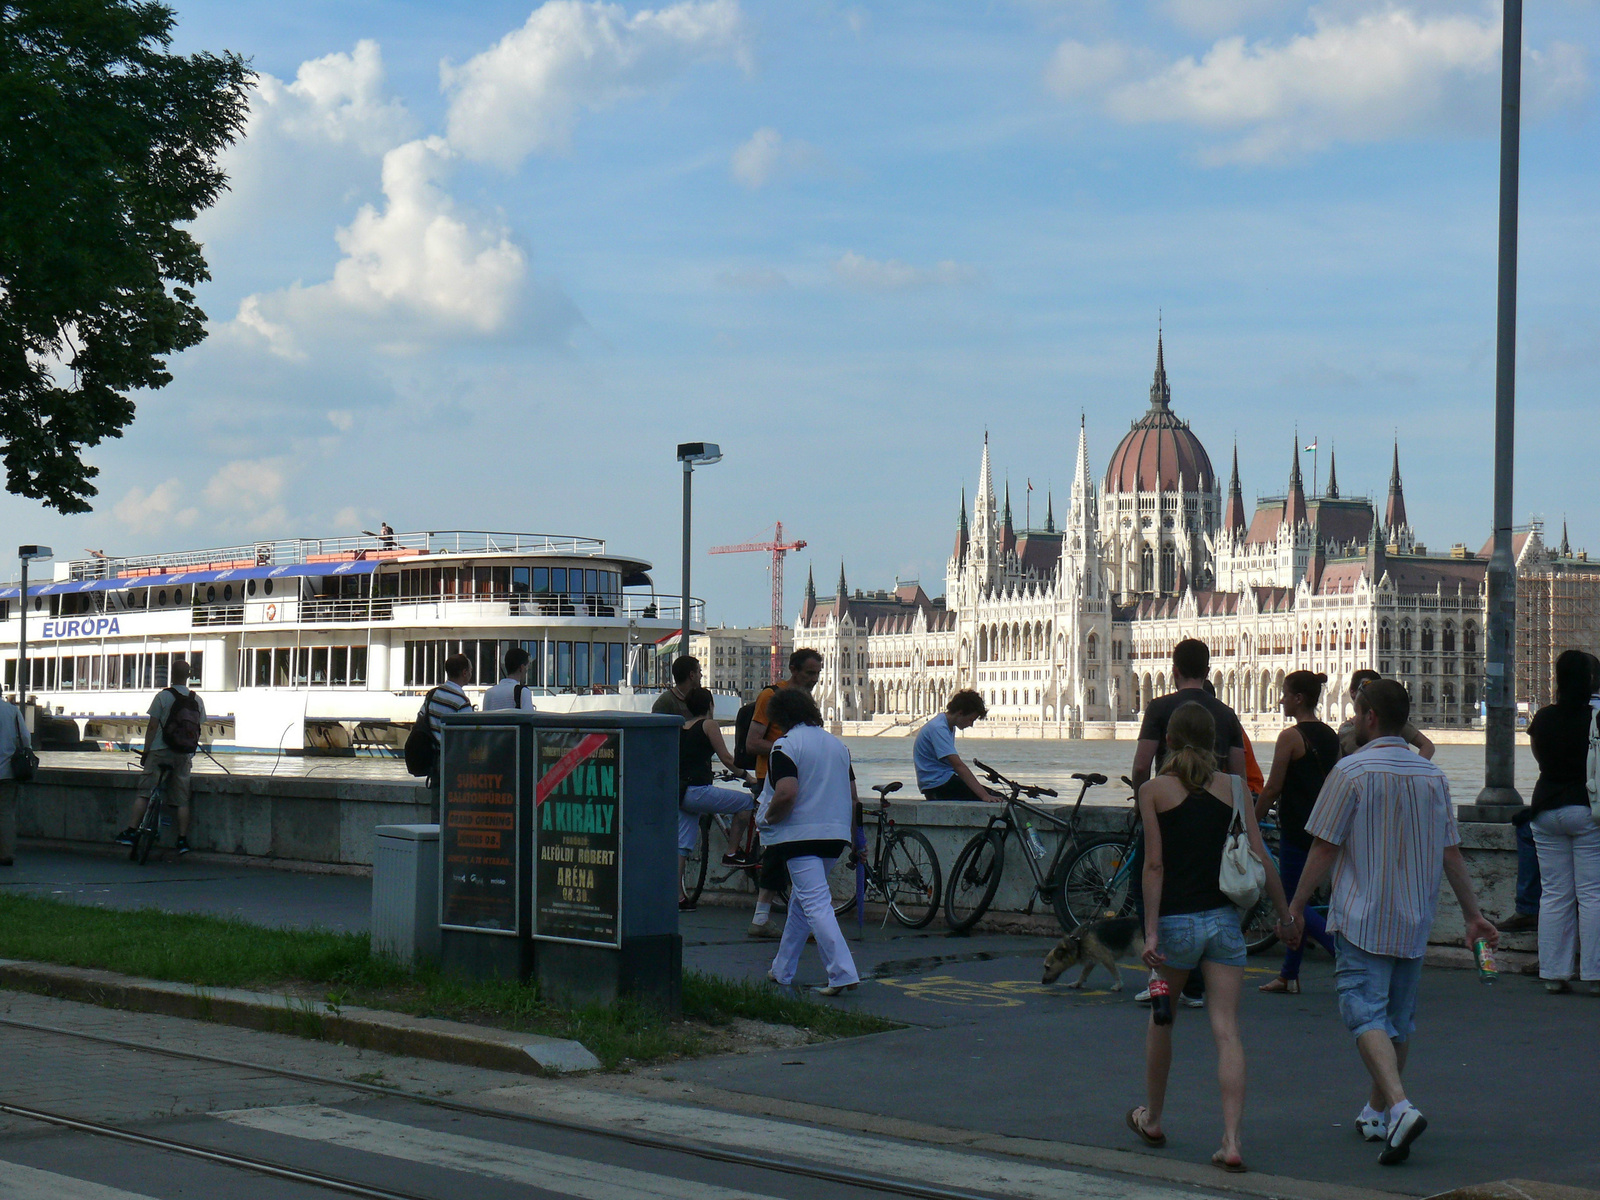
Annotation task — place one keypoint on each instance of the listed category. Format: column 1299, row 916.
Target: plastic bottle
column 1488, row 972
column 1160, row 1001
column 1031, row 836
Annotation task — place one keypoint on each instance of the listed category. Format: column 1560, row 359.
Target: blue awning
column 189, row 578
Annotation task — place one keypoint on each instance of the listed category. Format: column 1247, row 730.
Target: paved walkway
column 1508, row 1076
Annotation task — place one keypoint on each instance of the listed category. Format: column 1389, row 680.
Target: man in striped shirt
column 1385, row 824
column 449, row 697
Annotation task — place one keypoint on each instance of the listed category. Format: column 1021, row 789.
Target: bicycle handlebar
column 1032, row 791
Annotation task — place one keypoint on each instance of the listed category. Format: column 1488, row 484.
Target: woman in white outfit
column 804, row 817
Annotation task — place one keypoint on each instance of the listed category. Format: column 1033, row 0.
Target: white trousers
column 698, row 800
column 811, row 912
column 1568, row 841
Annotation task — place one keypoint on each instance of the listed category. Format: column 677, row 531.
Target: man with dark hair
column 1385, row 825
column 1347, row 732
column 512, row 690
column 685, row 678
column 449, row 697
column 171, row 738
column 805, row 668
column 941, row 775
column 1191, row 664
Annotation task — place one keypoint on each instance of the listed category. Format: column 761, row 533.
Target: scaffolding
column 1558, row 608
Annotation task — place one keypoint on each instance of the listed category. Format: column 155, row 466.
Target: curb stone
column 371, row 1029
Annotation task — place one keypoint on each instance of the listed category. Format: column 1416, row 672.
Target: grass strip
column 340, row 969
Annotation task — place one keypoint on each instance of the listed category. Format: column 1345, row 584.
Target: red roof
column 1160, row 454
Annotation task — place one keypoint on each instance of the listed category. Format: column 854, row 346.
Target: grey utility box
column 405, row 892
column 559, row 855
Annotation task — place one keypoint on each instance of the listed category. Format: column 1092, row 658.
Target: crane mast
column 777, row 548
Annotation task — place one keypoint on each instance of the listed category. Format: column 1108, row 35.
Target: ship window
column 358, row 666
column 66, row 674
column 319, row 665
column 302, row 666
column 266, row 586
column 177, row 596
column 49, row 674
column 227, row 594
column 619, row 661
column 339, row 666
column 162, row 667
column 519, row 580
column 250, row 588
column 280, row 667
column 161, row 598
column 211, row 595
column 563, row 664
column 580, row 664
column 591, row 582
column 196, row 665
column 130, row 672
column 558, row 579
column 541, row 580
column 484, row 578
column 263, row 675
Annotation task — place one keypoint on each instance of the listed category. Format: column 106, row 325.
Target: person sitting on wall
column 941, row 775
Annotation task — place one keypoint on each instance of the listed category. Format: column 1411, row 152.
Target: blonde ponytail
column 1191, row 741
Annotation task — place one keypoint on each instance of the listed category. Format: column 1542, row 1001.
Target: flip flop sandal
column 1281, row 986
column 1156, row 1140
column 1219, row 1159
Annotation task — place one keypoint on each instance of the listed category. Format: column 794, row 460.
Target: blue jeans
column 1529, row 886
column 1376, row 991
column 1291, row 865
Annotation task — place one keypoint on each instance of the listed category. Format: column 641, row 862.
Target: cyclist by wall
column 171, row 738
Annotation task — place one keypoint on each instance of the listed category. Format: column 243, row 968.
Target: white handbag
column 1244, row 876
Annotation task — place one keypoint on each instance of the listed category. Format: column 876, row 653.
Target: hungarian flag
column 1311, row 448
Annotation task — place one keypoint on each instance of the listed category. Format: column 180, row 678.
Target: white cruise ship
column 328, row 644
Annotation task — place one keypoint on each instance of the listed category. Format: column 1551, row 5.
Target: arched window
column 1405, row 637
column 1362, row 643
column 1169, row 569
column 1427, row 637
column 1093, row 649
column 1317, row 645
column 1427, row 692
column 1469, row 638
column 1383, row 636
column 1448, row 639
column 1469, row 695
column 1449, row 690
column 1147, row 570
column 1093, row 699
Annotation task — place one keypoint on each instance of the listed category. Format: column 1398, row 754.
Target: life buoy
column 272, row 612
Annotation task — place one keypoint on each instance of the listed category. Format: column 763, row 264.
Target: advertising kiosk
column 558, row 853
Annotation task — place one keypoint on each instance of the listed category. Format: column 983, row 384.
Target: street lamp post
column 690, row 453
column 27, row 554
column 1500, row 709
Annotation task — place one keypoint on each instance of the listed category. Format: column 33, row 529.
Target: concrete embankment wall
column 329, row 822
column 1260, row 731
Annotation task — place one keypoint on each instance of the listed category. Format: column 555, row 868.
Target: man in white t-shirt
column 513, row 690
column 177, row 715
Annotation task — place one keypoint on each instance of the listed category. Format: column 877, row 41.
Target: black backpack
column 181, row 732
column 422, row 748
column 741, row 731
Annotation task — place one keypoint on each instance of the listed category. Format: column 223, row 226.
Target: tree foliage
column 108, row 145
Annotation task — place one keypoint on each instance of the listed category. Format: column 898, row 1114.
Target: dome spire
column 1160, row 393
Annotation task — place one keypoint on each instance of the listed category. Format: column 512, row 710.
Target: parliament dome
column 1160, row 453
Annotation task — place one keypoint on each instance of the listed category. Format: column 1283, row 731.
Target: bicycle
column 1260, row 925
column 902, row 871
column 1100, row 879
column 148, row 831
column 975, row 877
column 697, row 866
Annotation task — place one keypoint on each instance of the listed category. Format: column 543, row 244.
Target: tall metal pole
column 1500, row 723
column 22, row 642
column 683, row 638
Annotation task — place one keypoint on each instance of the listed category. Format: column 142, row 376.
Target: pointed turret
column 1080, row 540
column 1394, row 517
column 1377, row 561
column 1160, row 393
column 842, row 591
column 1566, row 547
column 1233, row 517
column 961, row 529
column 1049, row 513
column 1008, row 534
column 1333, row 477
column 1294, row 508
column 810, row 605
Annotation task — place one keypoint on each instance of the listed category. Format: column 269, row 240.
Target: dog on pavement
column 1098, row 943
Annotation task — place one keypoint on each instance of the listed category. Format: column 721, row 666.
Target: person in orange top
column 805, row 668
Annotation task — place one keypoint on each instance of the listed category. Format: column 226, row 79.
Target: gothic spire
column 961, row 529
column 1294, row 508
column 1566, row 547
column 843, row 592
column 1394, row 516
column 1049, row 512
column 1160, row 393
column 1333, row 477
column 811, row 589
column 1008, row 533
column 1233, row 517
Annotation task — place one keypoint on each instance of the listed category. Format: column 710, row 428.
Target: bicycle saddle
column 884, row 789
column 1093, row 780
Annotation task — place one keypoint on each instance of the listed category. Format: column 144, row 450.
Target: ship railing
column 517, row 604
column 217, row 614
column 301, row 550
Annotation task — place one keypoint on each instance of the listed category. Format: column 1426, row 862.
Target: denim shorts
column 1213, row 936
column 1376, row 991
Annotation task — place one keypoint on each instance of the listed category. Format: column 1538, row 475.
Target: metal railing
column 301, row 550
column 217, row 614
column 519, row 604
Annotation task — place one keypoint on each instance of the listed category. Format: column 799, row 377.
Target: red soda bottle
column 1160, row 1001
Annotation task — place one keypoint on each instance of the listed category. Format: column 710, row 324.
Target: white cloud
column 341, row 419
column 1376, row 76
column 892, row 275
column 419, row 264
column 1212, row 17
column 245, row 494
column 524, row 93
column 338, row 99
column 768, row 155
column 158, row 510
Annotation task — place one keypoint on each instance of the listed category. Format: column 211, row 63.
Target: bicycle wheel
column 144, row 841
column 910, row 878
column 1096, row 883
column 842, row 883
column 1260, row 927
column 693, row 879
column 974, row 880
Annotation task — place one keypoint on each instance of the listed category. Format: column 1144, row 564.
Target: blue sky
column 483, row 266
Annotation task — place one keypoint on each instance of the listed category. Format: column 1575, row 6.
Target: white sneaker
column 1143, row 997
column 1192, row 1001
column 1373, row 1127
column 1407, row 1128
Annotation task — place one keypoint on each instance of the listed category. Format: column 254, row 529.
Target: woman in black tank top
column 1305, row 753
column 1189, row 924
column 699, row 741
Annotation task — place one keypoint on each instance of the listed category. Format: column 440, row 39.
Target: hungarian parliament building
column 1071, row 627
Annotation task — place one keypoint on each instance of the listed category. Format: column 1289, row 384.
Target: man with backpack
column 512, row 691
column 177, row 715
column 422, row 744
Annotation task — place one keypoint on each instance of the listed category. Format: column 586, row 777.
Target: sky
column 483, row 265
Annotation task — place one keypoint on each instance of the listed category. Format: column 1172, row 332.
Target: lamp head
column 34, row 553
column 699, row 453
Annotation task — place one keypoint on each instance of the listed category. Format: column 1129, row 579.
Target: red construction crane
column 777, row 547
